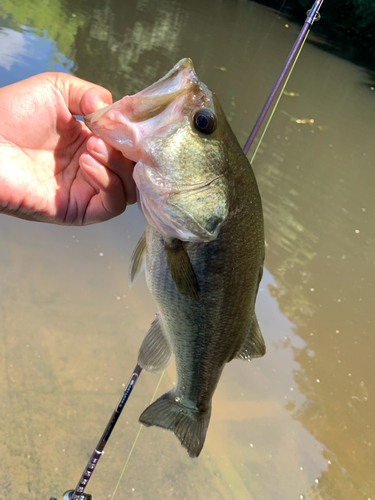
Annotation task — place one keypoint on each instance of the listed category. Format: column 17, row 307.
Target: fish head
column 176, row 132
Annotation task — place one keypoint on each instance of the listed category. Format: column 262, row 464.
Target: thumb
column 82, row 97
column 94, row 99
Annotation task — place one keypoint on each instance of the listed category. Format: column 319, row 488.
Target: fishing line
column 267, row 34
column 78, row 493
column 140, row 428
column 312, row 15
column 278, row 100
column 309, row 19
column 256, row 150
column 135, row 440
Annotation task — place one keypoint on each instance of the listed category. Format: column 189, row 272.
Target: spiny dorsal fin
column 155, row 352
column 181, row 269
column 253, row 345
column 137, row 260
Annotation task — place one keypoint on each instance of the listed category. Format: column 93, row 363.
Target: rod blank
column 78, row 493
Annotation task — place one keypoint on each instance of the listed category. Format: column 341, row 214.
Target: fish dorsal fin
column 137, row 260
column 181, row 269
column 253, row 345
column 155, row 352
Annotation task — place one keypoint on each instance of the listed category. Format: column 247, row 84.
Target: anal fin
column 181, row 269
column 137, row 260
column 155, row 353
column 253, row 345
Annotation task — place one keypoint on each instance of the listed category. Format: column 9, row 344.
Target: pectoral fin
column 137, row 260
column 181, row 269
column 253, row 345
column 155, row 352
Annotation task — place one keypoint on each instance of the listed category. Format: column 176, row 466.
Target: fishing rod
column 79, row 492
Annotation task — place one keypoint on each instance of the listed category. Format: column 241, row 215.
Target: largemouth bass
column 203, row 245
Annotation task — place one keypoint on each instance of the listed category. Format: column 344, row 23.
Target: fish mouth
column 153, row 99
column 154, row 111
column 171, row 205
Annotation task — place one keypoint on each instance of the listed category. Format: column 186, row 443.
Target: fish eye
column 204, row 121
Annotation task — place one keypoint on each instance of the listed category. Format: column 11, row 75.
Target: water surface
column 296, row 424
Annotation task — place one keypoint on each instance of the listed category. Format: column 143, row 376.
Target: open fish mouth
column 154, row 111
column 181, row 191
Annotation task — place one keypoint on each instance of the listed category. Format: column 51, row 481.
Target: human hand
column 52, row 168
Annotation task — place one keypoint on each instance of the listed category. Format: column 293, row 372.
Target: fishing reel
column 68, row 495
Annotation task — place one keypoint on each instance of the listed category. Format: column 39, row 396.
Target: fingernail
column 100, row 147
column 101, row 104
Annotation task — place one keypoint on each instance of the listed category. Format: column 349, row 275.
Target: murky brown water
column 296, row 424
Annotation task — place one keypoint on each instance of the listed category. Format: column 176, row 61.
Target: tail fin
column 188, row 425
